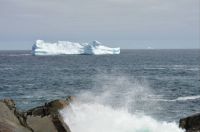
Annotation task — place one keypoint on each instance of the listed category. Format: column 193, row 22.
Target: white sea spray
column 112, row 107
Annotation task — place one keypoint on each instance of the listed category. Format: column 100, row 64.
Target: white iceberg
column 66, row 47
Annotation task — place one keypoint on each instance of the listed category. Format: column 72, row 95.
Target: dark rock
column 190, row 123
column 10, row 103
column 69, row 99
column 38, row 111
column 56, row 105
column 60, row 124
column 44, row 118
column 50, row 108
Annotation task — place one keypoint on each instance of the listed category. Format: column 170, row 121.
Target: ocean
column 135, row 91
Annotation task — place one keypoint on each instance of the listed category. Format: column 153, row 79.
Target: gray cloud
column 125, row 23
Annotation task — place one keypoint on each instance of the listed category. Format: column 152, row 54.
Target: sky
column 129, row 24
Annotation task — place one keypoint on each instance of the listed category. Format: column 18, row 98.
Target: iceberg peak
column 39, row 41
column 66, row 47
column 95, row 42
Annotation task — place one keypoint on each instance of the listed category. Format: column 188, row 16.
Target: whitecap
column 85, row 117
column 184, row 98
column 188, row 98
column 18, row 55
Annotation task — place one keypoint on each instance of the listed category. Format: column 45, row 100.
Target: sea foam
column 101, row 118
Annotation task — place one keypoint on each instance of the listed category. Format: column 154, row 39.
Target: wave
column 155, row 68
column 188, row 98
column 94, row 117
column 18, row 55
column 112, row 105
column 184, row 98
column 174, row 67
column 186, row 67
column 6, row 69
column 15, row 55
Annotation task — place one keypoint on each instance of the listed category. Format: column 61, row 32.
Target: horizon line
column 120, row 49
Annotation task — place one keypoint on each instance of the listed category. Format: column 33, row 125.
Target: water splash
column 111, row 106
column 99, row 118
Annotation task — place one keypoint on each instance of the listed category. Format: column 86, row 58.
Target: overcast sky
column 136, row 24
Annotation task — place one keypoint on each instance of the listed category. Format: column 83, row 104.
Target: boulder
column 45, row 118
column 8, row 120
column 50, row 108
column 191, row 123
column 39, row 124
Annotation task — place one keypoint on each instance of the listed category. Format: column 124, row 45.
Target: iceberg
column 65, row 47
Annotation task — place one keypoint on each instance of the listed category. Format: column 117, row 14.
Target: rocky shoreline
column 190, row 123
column 46, row 118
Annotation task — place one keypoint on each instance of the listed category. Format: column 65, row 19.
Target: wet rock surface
column 191, row 123
column 44, row 118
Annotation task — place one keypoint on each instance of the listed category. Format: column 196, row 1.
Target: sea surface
column 136, row 91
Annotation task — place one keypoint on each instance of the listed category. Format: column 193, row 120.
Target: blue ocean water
column 164, row 84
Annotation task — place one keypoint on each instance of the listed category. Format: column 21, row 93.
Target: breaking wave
column 184, row 98
column 188, row 98
column 101, row 118
column 111, row 107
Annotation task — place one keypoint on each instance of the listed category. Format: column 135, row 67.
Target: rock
column 56, row 105
column 38, row 111
column 6, row 127
column 39, row 124
column 10, row 103
column 44, row 118
column 59, row 123
column 50, row 108
column 8, row 121
column 190, row 123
